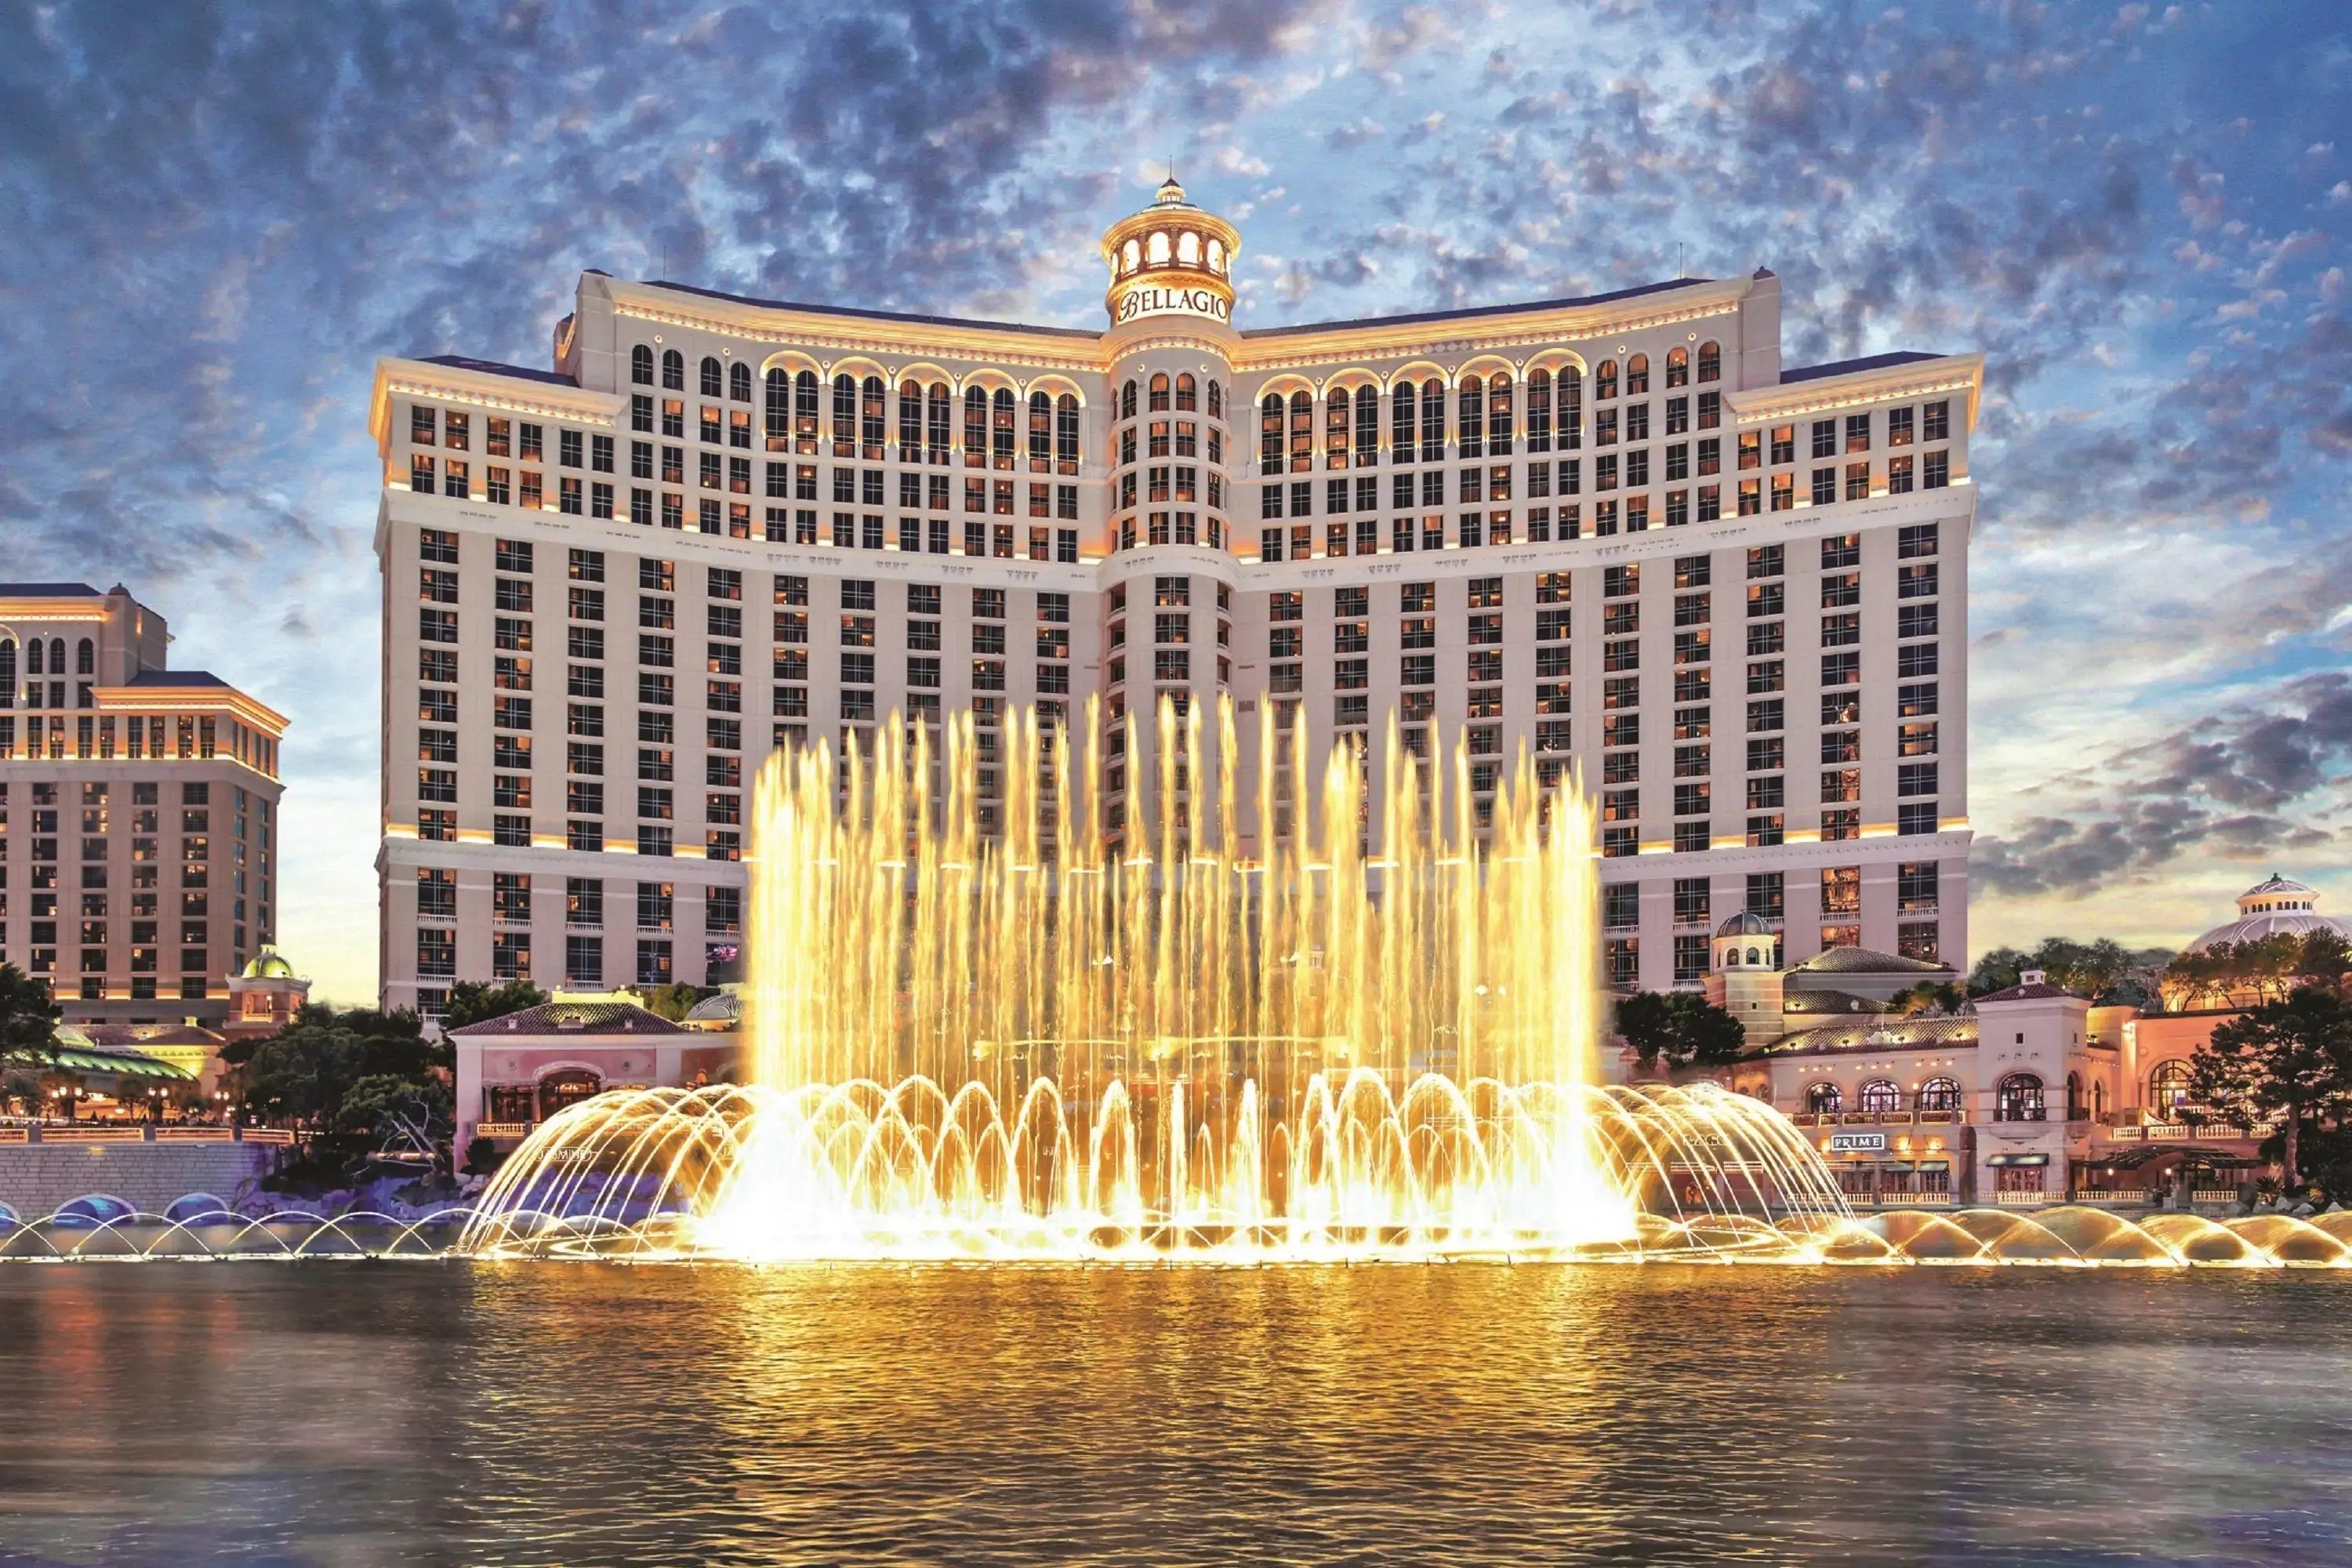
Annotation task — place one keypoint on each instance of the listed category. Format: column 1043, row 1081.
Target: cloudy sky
column 214, row 217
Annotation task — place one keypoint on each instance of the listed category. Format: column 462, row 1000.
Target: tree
column 475, row 1001
column 1684, row 1028
column 335, row 1074
column 1927, row 996
column 671, row 1002
column 2103, row 969
column 2291, row 1058
column 28, row 1028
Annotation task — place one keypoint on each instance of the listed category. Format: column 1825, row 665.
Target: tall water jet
column 986, row 1018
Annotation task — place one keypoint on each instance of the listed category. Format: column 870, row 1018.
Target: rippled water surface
column 542, row 1413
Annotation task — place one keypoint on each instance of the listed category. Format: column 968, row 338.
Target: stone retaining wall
column 38, row 1178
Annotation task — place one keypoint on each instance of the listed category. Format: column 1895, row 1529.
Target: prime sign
column 1150, row 299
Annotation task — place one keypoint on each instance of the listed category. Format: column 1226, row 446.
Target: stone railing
column 2020, row 1200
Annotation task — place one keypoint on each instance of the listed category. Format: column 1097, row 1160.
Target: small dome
column 2275, row 906
column 1744, row 923
column 1172, row 194
column 267, row 964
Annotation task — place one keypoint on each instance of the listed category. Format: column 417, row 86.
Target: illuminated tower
column 1170, row 352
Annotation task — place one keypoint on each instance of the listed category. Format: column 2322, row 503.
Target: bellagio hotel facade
column 1615, row 530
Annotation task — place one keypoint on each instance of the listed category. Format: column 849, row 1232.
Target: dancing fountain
column 987, row 1028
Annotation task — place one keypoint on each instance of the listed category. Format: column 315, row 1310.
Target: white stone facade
column 141, row 833
column 1732, row 597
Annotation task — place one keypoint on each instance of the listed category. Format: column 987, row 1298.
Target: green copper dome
column 268, row 964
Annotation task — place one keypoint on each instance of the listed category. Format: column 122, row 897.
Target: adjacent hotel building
column 139, row 820
column 1615, row 530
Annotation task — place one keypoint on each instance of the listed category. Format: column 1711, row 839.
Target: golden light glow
column 1044, row 1041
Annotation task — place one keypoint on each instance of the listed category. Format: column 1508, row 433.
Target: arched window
column 779, row 410
column 2098, row 1100
column 8, row 670
column 2167, row 1085
column 1540, row 411
column 738, row 381
column 1002, row 451
column 1939, row 1094
column 1065, row 435
column 1432, row 421
column 714, row 379
column 1823, row 1099
column 1571, row 408
column 1637, row 375
column 1155, row 249
column 1339, row 425
column 1498, row 416
column 1710, row 362
column 641, row 366
column 1216, row 255
column 804, row 395
column 845, row 416
column 975, row 426
column 2076, row 1110
column 1188, row 247
column 1401, row 403
column 939, row 422
column 1127, row 401
column 910, row 421
column 86, row 658
column 2019, row 1098
column 1302, row 433
column 1269, row 433
column 673, row 371
column 1216, row 399
column 1159, row 392
column 1188, row 393
column 33, row 658
column 1470, row 417
column 1677, row 368
column 1131, row 257
column 1879, row 1094
column 1041, row 433
column 1368, row 427
column 872, row 420
column 1604, row 381
column 1755, row 957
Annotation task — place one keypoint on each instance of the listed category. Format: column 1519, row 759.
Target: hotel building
column 139, row 846
column 720, row 525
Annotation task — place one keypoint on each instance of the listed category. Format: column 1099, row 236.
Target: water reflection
column 486, row 1413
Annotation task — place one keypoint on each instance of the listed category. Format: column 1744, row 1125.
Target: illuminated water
column 987, row 1019
column 353, row 1414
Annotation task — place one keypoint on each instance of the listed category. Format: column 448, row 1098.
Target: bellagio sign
column 1150, row 299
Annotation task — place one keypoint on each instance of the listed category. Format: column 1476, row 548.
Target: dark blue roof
column 176, row 677
column 873, row 315
column 1850, row 366
column 1477, row 311
column 49, row 590
column 492, row 367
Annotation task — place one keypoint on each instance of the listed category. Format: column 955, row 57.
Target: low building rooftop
column 571, row 1018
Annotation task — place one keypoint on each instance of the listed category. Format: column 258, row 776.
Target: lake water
column 366, row 1413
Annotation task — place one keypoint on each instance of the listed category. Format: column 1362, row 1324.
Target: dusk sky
column 212, row 218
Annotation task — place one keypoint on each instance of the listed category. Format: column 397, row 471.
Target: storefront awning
column 2132, row 1159
column 2017, row 1160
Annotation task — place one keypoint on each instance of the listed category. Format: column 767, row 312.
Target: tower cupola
column 1170, row 259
